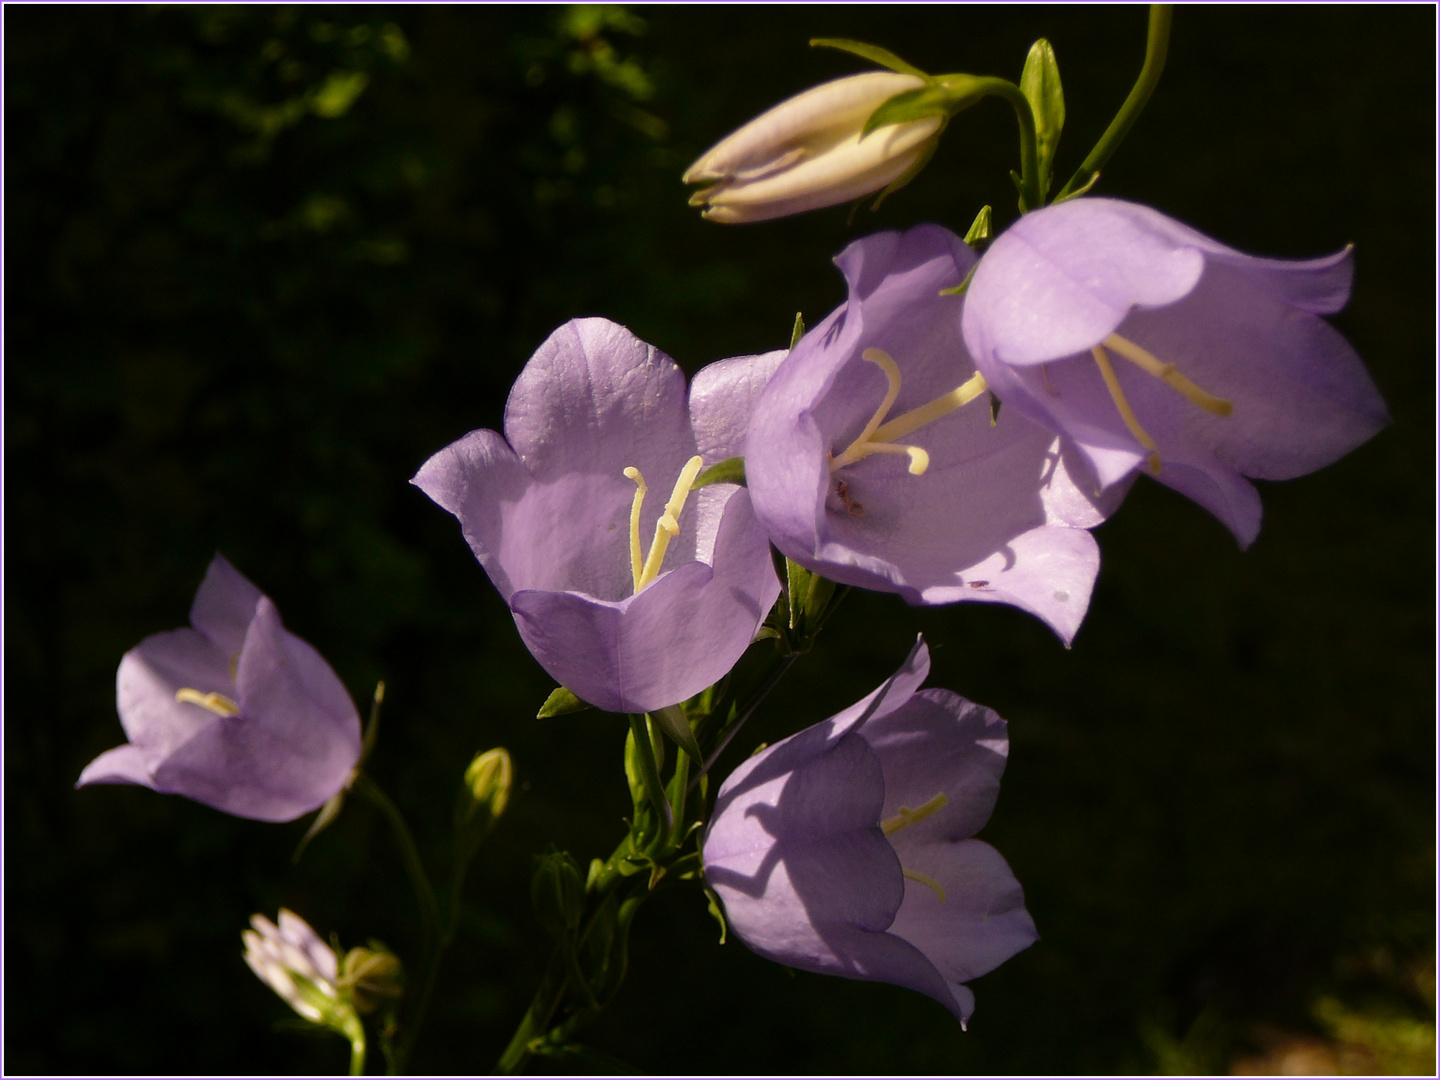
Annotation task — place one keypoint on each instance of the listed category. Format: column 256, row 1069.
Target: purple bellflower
column 873, row 457
column 846, row 849
column 1151, row 346
column 555, row 511
column 233, row 711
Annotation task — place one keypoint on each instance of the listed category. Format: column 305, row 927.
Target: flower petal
column 595, row 399
column 982, row 921
column 125, row 764
column 722, row 398
column 224, row 605
column 291, row 747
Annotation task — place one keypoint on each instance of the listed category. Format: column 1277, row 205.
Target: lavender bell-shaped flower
column 847, row 849
column 874, row 459
column 1154, row 348
column 233, row 711
column 556, row 510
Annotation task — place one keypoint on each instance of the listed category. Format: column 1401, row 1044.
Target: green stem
column 434, row 935
column 357, row 1057
column 1031, row 197
column 537, row 1018
column 649, row 774
column 409, row 853
column 1157, row 46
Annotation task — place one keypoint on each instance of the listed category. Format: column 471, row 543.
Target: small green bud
column 558, row 892
column 488, row 780
column 371, row 977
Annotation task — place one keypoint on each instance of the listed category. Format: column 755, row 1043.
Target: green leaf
column 1040, row 83
column 874, row 53
column 717, row 911
column 798, row 331
column 979, row 228
column 729, row 471
column 674, row 723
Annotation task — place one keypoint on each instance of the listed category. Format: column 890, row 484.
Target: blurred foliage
column 262, row 261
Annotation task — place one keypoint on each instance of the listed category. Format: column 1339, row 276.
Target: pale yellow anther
column 646, row 568
column 218, row 704
column 926, row 880
column 907, row 816
column 878, row 436
column 1127, row 414
column 1167, row 374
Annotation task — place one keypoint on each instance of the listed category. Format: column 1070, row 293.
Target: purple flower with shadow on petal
column 847, row 849
column 874, row 459
column 233, row 711
column 556, row 509
column 1154, row 348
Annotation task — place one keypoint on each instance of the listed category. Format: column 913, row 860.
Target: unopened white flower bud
column 808, row 152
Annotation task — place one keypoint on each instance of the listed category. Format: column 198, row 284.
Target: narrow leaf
column 873, row 53
column 980, row 228
column 798, row 331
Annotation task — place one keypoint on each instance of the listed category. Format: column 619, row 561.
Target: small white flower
column 293, row 961
column 808, row 152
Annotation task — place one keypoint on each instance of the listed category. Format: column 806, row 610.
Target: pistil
column 218, row 704
column 647, row 569
column 926, row 880
column 907, row 817
column 878, row 436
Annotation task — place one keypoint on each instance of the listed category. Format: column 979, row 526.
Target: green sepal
column 798, row 330
column 1040, row 83
column 873, row 53
column 980, row 228
column 560, row 703
column 797, row 584
column 675, row 724
column 942, row 97
column 909, row 174
column 963, row 287
column 328, row 813
column 729, row 471
column 717, row 911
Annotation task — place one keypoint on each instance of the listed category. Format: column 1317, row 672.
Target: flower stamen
column 926, row 880
column 668, row 525
column 907, row 817
column 1127, row 414
column 1167, row 374
column 218, row 704
column 878, row 436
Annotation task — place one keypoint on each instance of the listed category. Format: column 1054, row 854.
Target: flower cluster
column 951, row 433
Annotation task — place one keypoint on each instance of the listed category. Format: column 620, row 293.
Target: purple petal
column 122, row 765
column 224, row 605
column 477, row 478
column 145, row 685
column 982, row 921
column 682, row 633
column 1060, row 280
column 938, row 743
column 300, row 934
column 595, row 399
column 291, row 747
column 722, row 398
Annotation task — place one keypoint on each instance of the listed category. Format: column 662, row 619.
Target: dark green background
column 235, row 324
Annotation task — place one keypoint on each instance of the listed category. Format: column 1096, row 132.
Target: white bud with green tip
column 812, row 151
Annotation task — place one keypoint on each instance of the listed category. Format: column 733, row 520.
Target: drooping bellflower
column 875, row 459
column 233, row 711
column 848, row 849
column 557, row 511
column 1156, row 349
